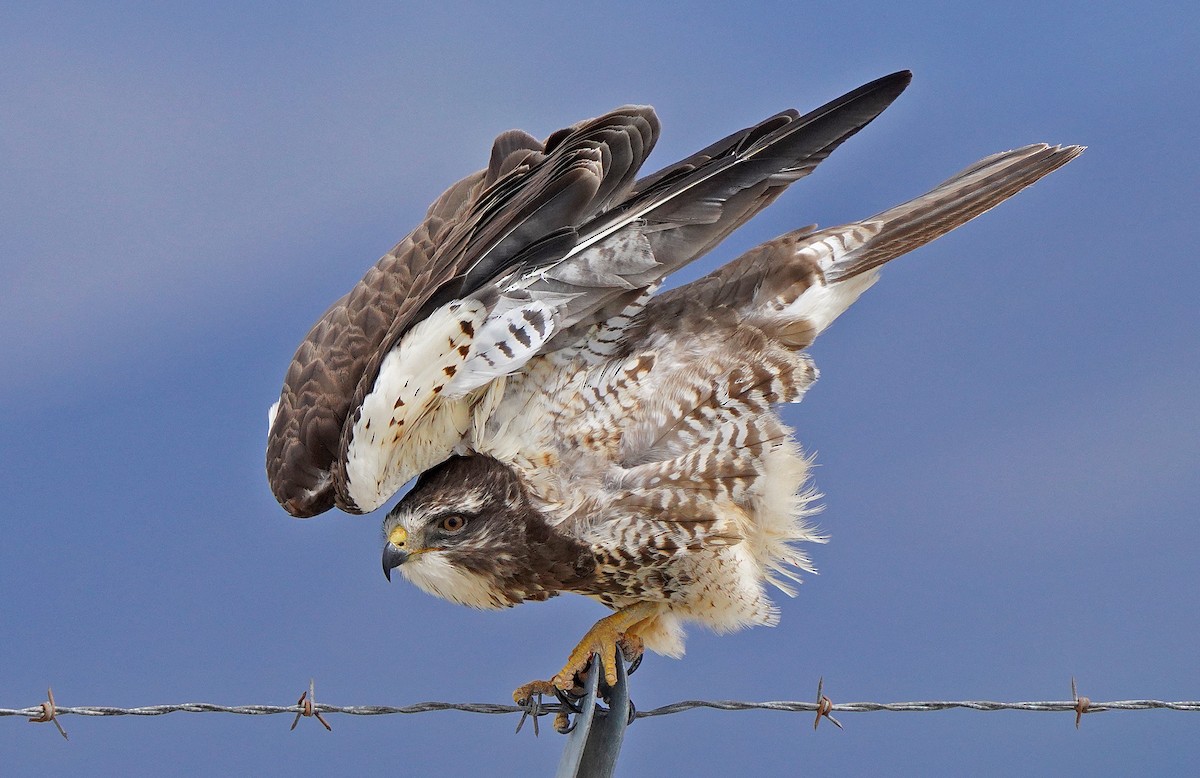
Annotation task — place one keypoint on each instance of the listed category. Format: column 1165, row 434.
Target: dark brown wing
column 495, row 218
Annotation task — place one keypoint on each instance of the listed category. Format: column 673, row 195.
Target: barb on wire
column 824, row 706
column 49, row 712
column 1082, row 704
column 307, row 703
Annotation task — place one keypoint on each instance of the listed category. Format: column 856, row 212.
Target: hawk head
column 468, row 533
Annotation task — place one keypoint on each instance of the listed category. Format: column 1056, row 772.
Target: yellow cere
column 398, row 537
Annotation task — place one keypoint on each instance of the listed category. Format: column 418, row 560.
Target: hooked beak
column 393, row 557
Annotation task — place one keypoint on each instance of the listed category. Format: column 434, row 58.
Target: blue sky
column 1007, row 425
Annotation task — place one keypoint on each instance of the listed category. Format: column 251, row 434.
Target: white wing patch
column 408, row 422
column 824, row 301
column 511, row 335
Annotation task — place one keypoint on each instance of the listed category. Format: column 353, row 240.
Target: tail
column 793, row 287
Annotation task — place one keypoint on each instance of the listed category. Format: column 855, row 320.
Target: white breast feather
column 432, row 573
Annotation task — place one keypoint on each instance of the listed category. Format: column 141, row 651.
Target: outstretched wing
column 549, row 240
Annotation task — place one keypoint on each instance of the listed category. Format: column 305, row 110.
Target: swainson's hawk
column 573, row 430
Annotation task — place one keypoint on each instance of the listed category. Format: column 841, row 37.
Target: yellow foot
column 523, row 695
column 604, row 639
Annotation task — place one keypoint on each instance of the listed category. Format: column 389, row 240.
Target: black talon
column 634, row 665
column 632, row 713
column 568, row 702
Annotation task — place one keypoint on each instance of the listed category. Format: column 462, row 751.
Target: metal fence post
column 595, row 743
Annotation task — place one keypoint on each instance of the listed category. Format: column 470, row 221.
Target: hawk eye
column 453, row 523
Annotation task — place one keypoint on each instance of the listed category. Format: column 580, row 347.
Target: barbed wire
column 789, row 706
column 49, row 711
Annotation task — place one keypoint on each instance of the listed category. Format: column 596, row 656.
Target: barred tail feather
column 839, row 264
column 793, row 287
column 954, row 202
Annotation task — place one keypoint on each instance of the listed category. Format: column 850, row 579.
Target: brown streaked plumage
column 578, row 433
column 515, row 222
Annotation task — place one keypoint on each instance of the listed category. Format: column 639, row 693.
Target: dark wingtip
column 866, row 102
column 900, row 77
column 894, row 83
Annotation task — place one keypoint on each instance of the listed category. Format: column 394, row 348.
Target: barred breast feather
column 655, row 438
